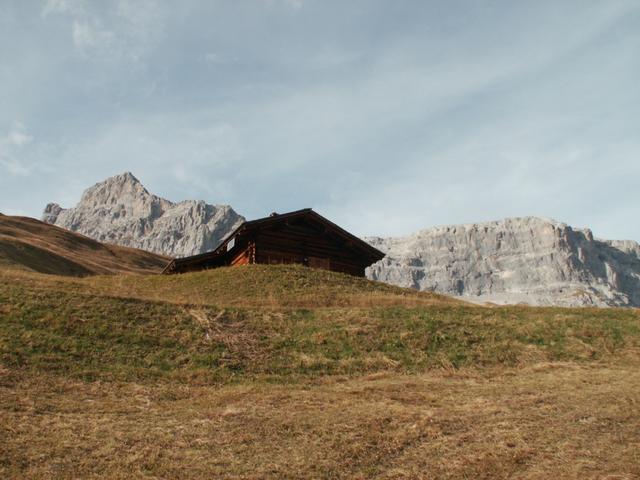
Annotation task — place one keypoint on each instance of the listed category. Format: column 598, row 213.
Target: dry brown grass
column 288, row 372
column 30, row 244
column 558, row 420
column 250, row 286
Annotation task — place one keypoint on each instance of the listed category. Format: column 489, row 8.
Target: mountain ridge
column 532, row 260
column 120, row 210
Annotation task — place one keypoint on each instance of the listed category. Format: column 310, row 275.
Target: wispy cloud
column 294, row 4
column 120, row 30
column 12, row 145
column 63, row 6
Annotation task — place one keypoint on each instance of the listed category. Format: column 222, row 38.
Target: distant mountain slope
column 34, row 245
column 517, row 260
column 121, row 211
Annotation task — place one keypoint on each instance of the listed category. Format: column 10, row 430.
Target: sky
column 386, row 117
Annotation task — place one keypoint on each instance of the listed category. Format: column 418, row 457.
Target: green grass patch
column 91, row 336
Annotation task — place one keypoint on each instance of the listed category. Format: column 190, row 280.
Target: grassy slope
column 286, row 372
column 36, row 246
column 68, row 327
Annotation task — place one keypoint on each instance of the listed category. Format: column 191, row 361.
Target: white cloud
column 83, row 35
column 12, row 146
column 62, row 6
column 215, row 58
column 294, row 4
column 86, row 36
column 18, row 138
column 116, row 31
column 297, row 4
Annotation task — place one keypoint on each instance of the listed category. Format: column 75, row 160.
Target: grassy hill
column 33, row 245
column 279, row 321
column 289, row 372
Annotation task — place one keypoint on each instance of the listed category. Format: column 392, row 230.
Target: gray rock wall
column 519, row 260
column 121, row 211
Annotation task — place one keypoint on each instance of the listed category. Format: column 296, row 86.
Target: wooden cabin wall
column 245, row 254
column 295, row 243
column 241, row 258
column 198, row 266
column 240, row 255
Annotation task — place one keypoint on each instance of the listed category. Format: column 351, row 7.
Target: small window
column 231, row 244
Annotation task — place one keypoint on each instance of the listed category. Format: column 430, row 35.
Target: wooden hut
column 302, row 237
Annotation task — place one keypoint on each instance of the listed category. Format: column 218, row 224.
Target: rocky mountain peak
column 121, row 210
column 120, row 189
column 125, row 182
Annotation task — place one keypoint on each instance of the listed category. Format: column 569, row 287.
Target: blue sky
column 388, row 117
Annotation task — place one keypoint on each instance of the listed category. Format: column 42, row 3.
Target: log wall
column 307, row 246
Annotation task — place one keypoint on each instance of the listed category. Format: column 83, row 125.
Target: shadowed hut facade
column 301, row 237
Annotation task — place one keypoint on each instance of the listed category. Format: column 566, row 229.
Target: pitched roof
column 275, row 218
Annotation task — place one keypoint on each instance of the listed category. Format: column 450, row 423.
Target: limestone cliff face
column 517, row 260
column 121, row 211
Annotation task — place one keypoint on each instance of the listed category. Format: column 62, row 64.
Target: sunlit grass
column 287, row 372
